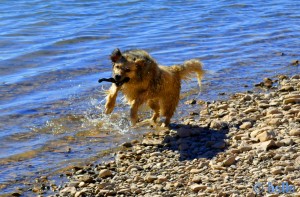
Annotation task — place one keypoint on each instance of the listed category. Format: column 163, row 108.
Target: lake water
column 53, row 52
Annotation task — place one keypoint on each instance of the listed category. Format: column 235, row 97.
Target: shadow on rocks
column 193, row 142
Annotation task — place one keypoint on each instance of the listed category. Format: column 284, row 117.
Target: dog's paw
column 164, row 125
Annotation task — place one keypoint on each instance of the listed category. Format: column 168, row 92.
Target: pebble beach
column 247, row 145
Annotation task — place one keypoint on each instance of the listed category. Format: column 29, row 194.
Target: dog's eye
column 127, row 70
column 118, row 67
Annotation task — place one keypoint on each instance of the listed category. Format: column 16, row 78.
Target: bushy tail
column 189, row 68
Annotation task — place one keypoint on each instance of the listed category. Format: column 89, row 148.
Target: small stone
column 268, row 82
column 276, row 170
column 184, row 132
column 295, row 132
column 244, row 147
column 216, row 124
column 68, row 191
column 295, row 62
column 265, row 136
column 127, row 144
column 197, row 187
column 161, row 179
column 266, row 145
column 297, row 162
column 124, row 191
column 286, row 88
column 293, row 98
column 196, row 179
column 254, row 133
column 87, row 179
column 105, row 173
column 247, row 98
column 16, row 194
column 195, row 171
column 191, row 102
column 246, row 125
column 219, row 145
column 223, row 106
column 150, row 178
column 250, row 110
column 229, row 161
column 287, row 141
column 81, row 184
column 152, row 142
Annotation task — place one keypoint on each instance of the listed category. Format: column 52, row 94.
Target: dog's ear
column 140, row 62
column 116, row 55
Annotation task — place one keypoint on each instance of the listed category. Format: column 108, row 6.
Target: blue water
column 53, row 52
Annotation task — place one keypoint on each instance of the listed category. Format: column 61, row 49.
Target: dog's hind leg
column 154, row 105
column 111, row 98
column 135, row 104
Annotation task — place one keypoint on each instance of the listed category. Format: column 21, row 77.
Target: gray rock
column 105, row 173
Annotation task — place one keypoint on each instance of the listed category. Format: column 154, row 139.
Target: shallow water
column 53, row 52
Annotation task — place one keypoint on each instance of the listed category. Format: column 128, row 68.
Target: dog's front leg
column 134, row 111
column 111, row 98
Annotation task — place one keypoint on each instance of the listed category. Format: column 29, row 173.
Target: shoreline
column 224, row 150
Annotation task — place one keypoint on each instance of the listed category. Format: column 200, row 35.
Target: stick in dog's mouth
column 112, row 80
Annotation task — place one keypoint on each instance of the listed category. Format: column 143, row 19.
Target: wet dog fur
column 142, row 80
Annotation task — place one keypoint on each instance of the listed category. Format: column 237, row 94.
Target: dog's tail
column 190, row 67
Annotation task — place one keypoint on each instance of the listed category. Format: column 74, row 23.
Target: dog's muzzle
column 121, row 82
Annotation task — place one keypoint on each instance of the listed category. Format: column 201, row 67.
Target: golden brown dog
column 142, row 80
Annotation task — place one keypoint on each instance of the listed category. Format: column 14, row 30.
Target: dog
column 138, row 76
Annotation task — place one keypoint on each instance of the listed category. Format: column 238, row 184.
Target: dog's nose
column 117, row 77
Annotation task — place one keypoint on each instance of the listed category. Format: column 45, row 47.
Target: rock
column 152, row 142
column 124, row 191
column 197, row 187
column 274, row 121
column 223, row 106
column 268, row 82
column 276, row 170
column 266, row 145
column 191, row 102
column 250, row 110
column 161, row 179
column 254, row 133
column 16, row 194
column 297, row 162
column 293, row 98
column 229, row 161
column 295, row 132
column 87, row 179
column 247, row 98
column 81, row 184
column 105, row 173
column 286, row 88
column 216, row 124
column 184, row 132
column 265, row 136
column 246, row 125
column 295, row 62
column 150, row 178
column 287, row 141
column 219, row 145
column 195, row 171
column 73, row 184
column 273, row 111
column 127, row 144
column 68, row 191
column 196, row 179
column 244, row 147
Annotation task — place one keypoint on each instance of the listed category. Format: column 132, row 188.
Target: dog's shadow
column 193, row 142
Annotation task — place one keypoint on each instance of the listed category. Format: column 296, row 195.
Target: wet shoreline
column 224, row 149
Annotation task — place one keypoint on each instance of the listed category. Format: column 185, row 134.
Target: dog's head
column 128, row 66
